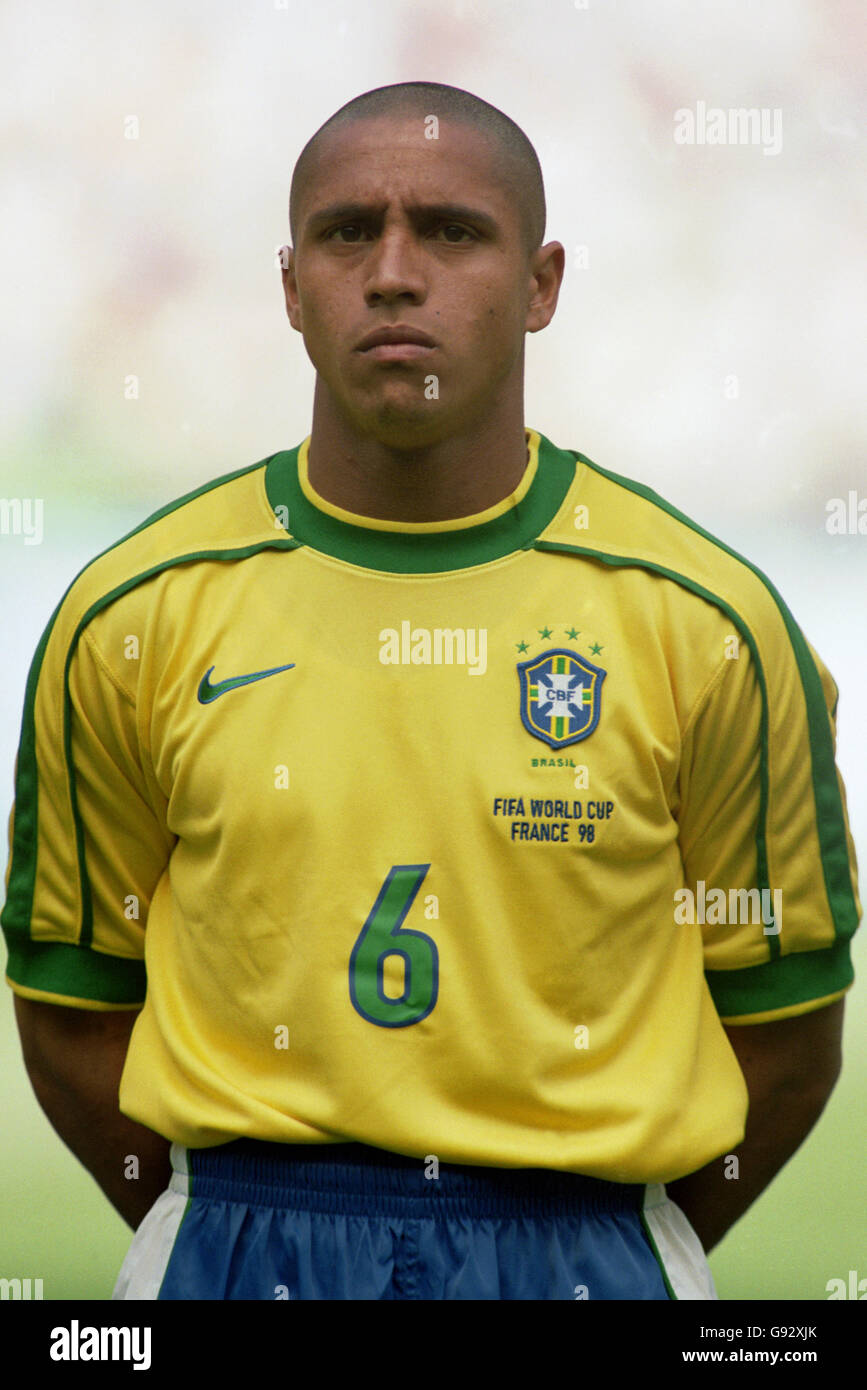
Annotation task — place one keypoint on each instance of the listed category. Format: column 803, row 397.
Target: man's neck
column 452, row 478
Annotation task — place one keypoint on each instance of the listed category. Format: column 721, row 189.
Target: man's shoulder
column 622, row 523
column 227, row 517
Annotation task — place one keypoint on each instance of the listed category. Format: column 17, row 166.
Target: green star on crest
column 544, row 632
column 595, row 648
column 572, row 632
column 522, row 646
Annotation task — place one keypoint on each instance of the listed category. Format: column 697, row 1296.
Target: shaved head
column 514, row 160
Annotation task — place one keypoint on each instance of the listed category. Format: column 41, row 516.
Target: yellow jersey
column 461, row 837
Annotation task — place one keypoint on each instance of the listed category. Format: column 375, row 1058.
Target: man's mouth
column 396, row 343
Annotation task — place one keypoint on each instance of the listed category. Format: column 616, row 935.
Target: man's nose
column 395, row 266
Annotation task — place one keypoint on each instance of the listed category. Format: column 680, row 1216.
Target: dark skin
column 790, row 1067
column 394, row 229
column 74, row 1058
column 399, row 253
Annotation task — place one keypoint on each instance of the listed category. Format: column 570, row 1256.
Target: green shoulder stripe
column 830, row 818
column 625, row 561
column 18, row 908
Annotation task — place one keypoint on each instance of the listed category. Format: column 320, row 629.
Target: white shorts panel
column 143, row 1270
column 680, row 1250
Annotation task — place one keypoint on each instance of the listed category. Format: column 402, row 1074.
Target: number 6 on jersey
column 381, row 936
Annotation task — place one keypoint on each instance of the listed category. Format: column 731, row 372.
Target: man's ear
column 286, row 261
column 547, row 267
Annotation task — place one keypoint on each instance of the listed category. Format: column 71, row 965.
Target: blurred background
column 708, row 343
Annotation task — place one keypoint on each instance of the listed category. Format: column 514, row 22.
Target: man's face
column 395, row 230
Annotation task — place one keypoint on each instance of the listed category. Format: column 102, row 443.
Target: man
column 470, row 813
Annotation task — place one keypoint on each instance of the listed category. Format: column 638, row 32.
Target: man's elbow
column 58, row 1042
column 818, row 1085
column 792, row 1063
column 810, row 1082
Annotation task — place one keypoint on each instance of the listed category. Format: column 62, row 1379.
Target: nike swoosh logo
column 208, row 692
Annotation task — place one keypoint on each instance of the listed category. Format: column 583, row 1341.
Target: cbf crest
column 560, row 696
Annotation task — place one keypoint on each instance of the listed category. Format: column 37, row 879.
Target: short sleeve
column 87, row 833
column 769, row 861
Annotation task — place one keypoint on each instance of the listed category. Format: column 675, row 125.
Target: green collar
column 425, row 547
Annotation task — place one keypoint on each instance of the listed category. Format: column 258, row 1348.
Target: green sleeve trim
column 18, row 907
column 795, row 979
column 58, row 968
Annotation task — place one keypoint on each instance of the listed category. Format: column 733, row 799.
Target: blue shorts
column 250, row 1220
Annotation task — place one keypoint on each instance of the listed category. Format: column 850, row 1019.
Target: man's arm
column 791, row 1067
column 74, row 1058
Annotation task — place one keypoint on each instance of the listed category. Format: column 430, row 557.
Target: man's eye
column 350, row 233
column 351, row 227
column 451, row 227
